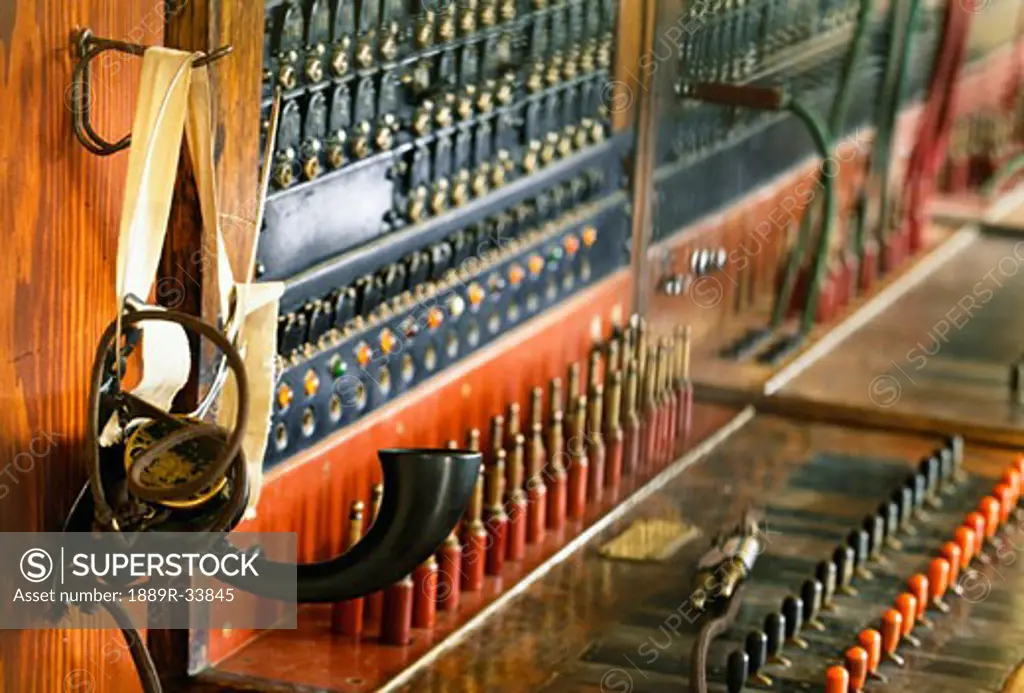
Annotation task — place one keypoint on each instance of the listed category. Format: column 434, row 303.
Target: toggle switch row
column 927, row 591
column 937, row 475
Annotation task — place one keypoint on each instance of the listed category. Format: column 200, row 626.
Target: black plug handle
column 425, row 495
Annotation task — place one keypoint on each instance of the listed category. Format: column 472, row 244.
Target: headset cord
column 229, row 462
column 711, row 630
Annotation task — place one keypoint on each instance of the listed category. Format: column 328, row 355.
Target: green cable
column 892, row 109
column 837, row 124
column 999, row 179
column 841, row 106
column 820, row 134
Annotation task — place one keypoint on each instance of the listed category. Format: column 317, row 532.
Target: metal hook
column 88, row 47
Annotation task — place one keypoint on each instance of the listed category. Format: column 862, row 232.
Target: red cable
column 936, row 121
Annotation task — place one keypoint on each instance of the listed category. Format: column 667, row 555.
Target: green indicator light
column 338, row 367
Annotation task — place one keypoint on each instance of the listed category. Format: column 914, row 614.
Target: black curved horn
column 425, row 493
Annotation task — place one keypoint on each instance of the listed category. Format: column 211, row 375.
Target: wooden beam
column 60, row 208
column 188, row 268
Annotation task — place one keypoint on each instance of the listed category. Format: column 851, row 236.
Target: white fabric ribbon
column 175, row 97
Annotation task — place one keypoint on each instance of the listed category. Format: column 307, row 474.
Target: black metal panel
column 351, row 391
column 321, row 279
column 312, row 222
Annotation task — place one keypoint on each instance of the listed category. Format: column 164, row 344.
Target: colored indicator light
column 589, row 236
column 338, row 367
column 555, row 254
column 311, row 382
column 535, row 264
column 434, row 318
column 387, row 341
column 571, row 243
column 516, row 274
column 410, row 328
column 285, row 395
column 456, row 306
column 363, row 354
column 495, row 283
column 476, row 294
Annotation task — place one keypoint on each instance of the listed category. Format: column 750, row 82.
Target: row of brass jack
column 634, row 418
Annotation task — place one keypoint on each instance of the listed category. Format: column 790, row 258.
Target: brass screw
column 569, row 69
column 421, row 122
column 361, row 146
column 425, row 32
column 480, row 185
column 504, row 94
column 580, row 137
column 315, row 65
column 587, row 60
column 531, row 160
column 553, row 73
column 287, row 77
column 389, row 49
column 498, row 176
column 418, row 205
column 364, row 55
column 284, row 176
column 439, row 200
column 459, row 194
column 447, row 28
column 535, row 82
column 485, row 102
column 311, row 168
column 465, row 107
column 339, row 62
column 488, row 16
column 335, row 155
column 384, row 139
column 547, row 152
column 443, row 116
column 467, row 21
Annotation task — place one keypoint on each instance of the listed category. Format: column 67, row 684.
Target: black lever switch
column 874, row 526
column 825, row 572
column 810, row 595
column 775, row 633
column 344, row 301
column 843, row 558
column 757, row 656
column 930, row 470
column 736, row 671
column 890, row 512
column 860, row 542
column 793, row 611
column 319, row 318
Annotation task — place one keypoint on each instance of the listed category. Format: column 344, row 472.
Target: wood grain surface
column 943, row 350
column 593, row 624
column 189, row 263
column 60, row 207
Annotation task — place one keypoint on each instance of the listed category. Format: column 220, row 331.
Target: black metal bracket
column 88, row 47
